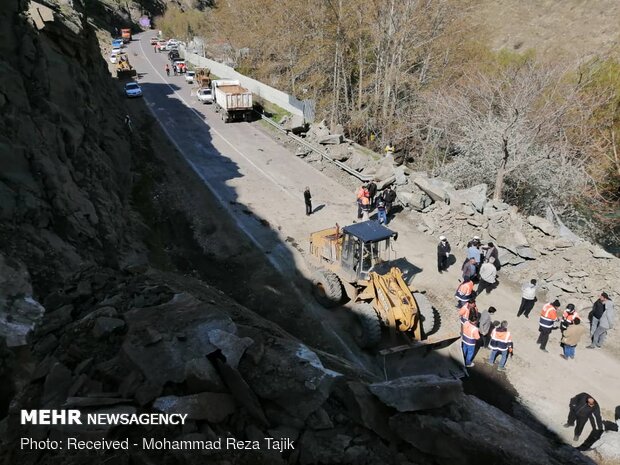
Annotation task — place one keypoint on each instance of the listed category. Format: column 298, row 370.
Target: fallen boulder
column 232, row 346
column 546, row 226
column 475, row 197
column 413, row 393
column 414, row 197
column 201, row 375
column 331, row 139
column 435, row 188
column 290, row 375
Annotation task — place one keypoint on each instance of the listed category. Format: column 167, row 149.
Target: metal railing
column 339, row 164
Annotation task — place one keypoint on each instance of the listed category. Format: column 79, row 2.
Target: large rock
column 290, row 375
column 546, row 226
column 417, row 199
column 437, row 189
column 358, row 161
column 400, row 176
column 384, row 169
column 413, row 393
column 105, row 326
column 211, row 406
column 162, row 359
column 367, row 410
column 331, row 139
column 322, row 447
column 475, row 197
column 232, row 346
column 474, row 432
column 201, row 375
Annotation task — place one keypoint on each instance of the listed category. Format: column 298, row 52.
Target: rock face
column 414, row 393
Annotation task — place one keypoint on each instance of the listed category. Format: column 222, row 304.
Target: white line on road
column 202, row 120
column 270, row 257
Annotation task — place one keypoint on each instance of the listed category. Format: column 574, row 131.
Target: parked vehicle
column 189, row 77
column 173, row 54
column 116, row 51
column 205, row 95
column 126, row 35
column 113, row 57
column 117, row 43
column 123, row 67
column 162, row 46
column 132, row 89
column 231, row 100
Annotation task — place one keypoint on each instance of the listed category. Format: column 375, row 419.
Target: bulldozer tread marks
column 427, row 312
column 327, row 288
column 370, row 325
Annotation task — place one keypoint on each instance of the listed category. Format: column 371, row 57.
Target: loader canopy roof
column 369, row 231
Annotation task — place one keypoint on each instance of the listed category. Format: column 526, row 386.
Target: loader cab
column 365, row 246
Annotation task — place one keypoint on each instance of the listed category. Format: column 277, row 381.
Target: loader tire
column 327, row 288
column 370, row 325
column 429, row 316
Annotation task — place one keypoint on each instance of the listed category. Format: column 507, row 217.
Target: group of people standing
column 368, row 198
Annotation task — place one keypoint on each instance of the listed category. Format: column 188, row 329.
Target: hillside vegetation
column 507, row 93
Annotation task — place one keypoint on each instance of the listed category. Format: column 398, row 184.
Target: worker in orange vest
column 501, row 343
column 361, row 192
column 365, row 202
column 568, row 317
column 470, row 336
column 546, row 323
column 465, row 292
column 467, row 310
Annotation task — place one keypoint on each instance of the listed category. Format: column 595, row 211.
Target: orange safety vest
column 365, row 201
column 470, row 334
column 464, row 312
column 500, row 340
column 465, row 291
column 548, row 316
column 570, row 316
column 360, row 193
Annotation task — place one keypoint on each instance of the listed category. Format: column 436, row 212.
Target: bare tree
column 510, row 130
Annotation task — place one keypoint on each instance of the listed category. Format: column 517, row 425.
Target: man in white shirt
column 488, row 277
column 528, row 298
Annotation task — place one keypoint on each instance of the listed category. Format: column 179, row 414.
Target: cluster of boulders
column 122, row 343
column 566, row 266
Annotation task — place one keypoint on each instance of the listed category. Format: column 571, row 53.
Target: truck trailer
column 231, row 100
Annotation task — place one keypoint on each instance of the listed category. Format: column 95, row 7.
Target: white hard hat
column 442, row 238
column 476, row 238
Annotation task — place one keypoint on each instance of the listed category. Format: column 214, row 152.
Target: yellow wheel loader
column 356, row 262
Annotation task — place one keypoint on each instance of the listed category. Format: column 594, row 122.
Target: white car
column 205, row 95
column 116, row 51
column 132, row 89
column 189, row 77
column 113, row 57
column 172, row 43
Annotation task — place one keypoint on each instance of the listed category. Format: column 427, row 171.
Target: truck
column 126, row 35
column 231, row 100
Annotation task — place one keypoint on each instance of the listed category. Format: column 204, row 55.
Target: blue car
column 117, row 43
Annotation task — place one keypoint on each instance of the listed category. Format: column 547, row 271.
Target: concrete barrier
column 282, row 99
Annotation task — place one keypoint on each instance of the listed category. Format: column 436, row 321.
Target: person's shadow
column 318, row 208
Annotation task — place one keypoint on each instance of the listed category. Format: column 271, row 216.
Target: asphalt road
column 262, row 184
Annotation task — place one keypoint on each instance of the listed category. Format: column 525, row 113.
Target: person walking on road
column 582, row 408
column 175, row 70
column 308, row 201
column 443, row 254
column 501, row 343
column 602, row 319
column 528, row 298
column 381, row 211
column 167, row 68
column 488, row 277
column 485, row 326
column 571, row 337
column 469, row 337
column 546, row 323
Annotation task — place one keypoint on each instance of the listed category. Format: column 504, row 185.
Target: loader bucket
column 439, row 356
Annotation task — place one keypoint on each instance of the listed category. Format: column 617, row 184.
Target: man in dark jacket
column 389, row 196
column 308, row 201
column 372, row 191
column 582, row 408
column 443, row 253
